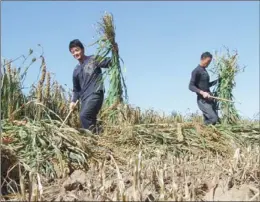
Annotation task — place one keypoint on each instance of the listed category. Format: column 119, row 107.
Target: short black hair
column 76, row 43
column 205, row 55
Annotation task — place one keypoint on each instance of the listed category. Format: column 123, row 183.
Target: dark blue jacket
column 87, row 77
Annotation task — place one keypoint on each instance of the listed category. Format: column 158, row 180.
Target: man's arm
column 106, row 62
column 103, row 62
column 213, row 83
column 76, row 88
column 193, row 81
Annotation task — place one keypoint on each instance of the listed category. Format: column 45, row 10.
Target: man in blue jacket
column 87, row 84
column 200, row 84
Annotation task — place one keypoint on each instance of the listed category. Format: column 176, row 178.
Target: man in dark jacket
column 87, row 84
column 200, row 84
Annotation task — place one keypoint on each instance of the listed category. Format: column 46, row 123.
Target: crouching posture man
column 200, row 84
column 87, row 85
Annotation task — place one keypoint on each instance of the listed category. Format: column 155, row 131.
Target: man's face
column 77, row 53
column 206, row 61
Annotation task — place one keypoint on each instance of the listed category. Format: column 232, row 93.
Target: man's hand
column 116, row 48
column 205, row 94
column 72, row 106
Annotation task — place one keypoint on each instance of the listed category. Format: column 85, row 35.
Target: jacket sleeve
column 103, row 62
column 193, row 81
column 76, row 87
column 213, row 83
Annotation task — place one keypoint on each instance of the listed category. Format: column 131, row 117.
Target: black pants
column 209, row 111
column 90, row 109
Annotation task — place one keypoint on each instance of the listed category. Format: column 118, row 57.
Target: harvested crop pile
column 9, row 169
column 179, row 139
column 226, row 67
column 117, row 92
column 107, row 44
column 168, row 167
column 35, row 141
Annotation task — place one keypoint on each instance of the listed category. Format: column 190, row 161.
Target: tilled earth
column 170, row 178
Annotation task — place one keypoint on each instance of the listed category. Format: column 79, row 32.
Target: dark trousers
column 209, row 111
column 90, row 109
